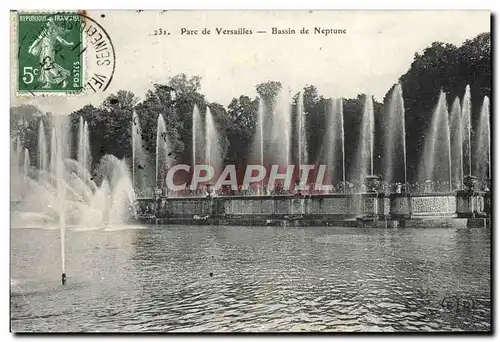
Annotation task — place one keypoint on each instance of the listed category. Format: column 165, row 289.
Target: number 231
column 160, row 32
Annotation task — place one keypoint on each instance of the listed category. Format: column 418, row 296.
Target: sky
column 376, row 50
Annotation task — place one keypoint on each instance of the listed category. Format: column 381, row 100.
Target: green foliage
column 24, row 122
column 446, row 67
column 440, row 66
column 269, row 91
column 241, row 127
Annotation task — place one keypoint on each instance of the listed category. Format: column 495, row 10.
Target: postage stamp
column 50, row 57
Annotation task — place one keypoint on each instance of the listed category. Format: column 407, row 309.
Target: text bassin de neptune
column 274, row 30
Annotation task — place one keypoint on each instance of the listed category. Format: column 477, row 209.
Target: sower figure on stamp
column 44, row 48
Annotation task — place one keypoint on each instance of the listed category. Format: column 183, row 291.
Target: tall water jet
column 333, row 143
column 87, row 157
column 456, row 141
column 435, row 164
column 59, row 151
column 83, row 148
column 66, row 194
column 257, row 154
column 197, row 135
column 18, row 150
column 260, row 130
column 281, row 129
column 116, row 192
column 366, row 139
column 163, row 160
column 42, row 148
column 26, row 163
column 141, row 170
column 81, row 138
column 301, row 132
column 53, row 150
column 212, row 147
column 134, row 135
column 466, row 126
column 395, row 138
column 340, row 106
column 257, row 151
column 16, row 186
column 483, row 147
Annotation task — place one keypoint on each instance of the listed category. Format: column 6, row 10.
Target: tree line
column 440, row 66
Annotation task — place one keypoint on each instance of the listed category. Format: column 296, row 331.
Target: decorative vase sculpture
column 210, row 190
column 470, row 182
column 372, row 183
column 428, row 186
column 487, row 197
column 487, row 185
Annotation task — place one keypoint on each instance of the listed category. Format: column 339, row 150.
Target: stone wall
column 429, row 210
column 341, row 206
column 414, row 206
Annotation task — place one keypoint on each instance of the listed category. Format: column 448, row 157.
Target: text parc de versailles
column 274, row 30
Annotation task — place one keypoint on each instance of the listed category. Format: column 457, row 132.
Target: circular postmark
column 63, row 53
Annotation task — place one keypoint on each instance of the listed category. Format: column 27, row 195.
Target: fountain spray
column 57, row 167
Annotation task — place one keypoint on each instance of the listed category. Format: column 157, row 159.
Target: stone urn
column 487, row 185
column 428, row 186
column 210, row 190
column 373, row 183
column 470, row 182
column 157, row 192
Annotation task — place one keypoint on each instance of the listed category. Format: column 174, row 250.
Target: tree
column 160, row 101
column 24, row 123
column 109, row 126
column 443, row 67
column 439, row 66
column 242, row 115
column 269, row 91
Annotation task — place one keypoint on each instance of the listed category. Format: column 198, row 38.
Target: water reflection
column 209, row 278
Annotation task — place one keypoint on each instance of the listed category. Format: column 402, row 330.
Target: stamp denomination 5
column 66, row 52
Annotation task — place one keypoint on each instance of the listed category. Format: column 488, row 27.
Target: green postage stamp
column 50, row 53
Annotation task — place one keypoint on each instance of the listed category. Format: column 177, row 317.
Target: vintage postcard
column 250, row 171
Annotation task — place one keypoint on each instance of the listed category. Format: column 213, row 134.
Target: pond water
column 251, row 279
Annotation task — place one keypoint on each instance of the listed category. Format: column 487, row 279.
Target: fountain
column 471, row 203
column 212, row 147
column 456, row 141
column 301, row 132
column 435, row 164
column 66, row 193
column 258, row 143
column 257, row 154
column 26, row 163
column 61, row 191
column 334, row 140
column 281, row 130
column 141, row 170
column 83, row 156
column 163, row 159
column 260, row 130
column 340, row 106
column 366, row 140
column 467, row 127
column 15, row 182
column 395, row 138
column 42, row 148
column 15, row 168
column 483, row 154
column 197, row 134
column 58, row 148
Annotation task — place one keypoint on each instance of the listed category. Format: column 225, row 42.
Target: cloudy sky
column 378, row 48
